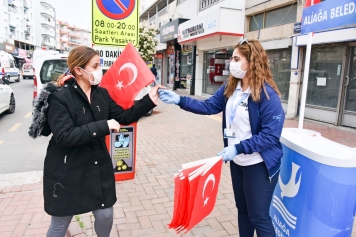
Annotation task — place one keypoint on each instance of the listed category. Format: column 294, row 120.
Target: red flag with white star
column 126, row 77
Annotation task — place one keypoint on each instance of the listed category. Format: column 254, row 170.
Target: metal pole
column 305, row 80
column 194, row 63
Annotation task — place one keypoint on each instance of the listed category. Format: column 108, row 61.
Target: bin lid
column 318, row 148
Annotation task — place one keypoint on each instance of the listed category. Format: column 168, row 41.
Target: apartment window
column 256, row 21
column 280, row 16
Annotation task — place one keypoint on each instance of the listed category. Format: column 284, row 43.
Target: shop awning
column 215, row 23
column 161, row 46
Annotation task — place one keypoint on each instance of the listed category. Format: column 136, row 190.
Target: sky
column 75, row 12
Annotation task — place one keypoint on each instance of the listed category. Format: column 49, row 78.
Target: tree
column 147, row 45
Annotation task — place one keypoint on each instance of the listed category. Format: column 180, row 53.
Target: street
column 18, row 151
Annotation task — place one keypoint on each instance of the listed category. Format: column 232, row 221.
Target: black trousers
column 253, row 192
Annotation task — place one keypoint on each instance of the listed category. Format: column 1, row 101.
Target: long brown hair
column 78, row 57
column 257, row 74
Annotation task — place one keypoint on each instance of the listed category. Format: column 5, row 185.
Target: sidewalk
column 167, row 139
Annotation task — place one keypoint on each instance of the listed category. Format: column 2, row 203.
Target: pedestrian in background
column 253, row 119
column 78, row 174
column 154, row 70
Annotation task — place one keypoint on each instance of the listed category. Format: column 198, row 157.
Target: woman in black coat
column 78, row 172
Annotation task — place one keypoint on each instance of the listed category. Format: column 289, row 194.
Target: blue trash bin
column 316, row 190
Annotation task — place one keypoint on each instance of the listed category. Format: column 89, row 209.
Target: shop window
column 279, row 64
column 280, row 16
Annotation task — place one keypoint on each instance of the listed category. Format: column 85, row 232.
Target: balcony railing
column 13, row 9
column 25, row 4
column 162, row 12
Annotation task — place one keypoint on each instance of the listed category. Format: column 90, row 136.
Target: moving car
column 49, row 65
column 27, row 71
column 8, row 67
column 7, row 98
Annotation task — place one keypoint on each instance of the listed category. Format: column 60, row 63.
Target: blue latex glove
column 168, row 97
column 228, row 153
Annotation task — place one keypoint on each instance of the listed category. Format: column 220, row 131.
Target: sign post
column 115, row 23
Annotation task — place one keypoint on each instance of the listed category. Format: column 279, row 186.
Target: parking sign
column 115, row 22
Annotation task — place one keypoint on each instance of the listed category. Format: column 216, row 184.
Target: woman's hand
column 154, row 93
column 113, row 125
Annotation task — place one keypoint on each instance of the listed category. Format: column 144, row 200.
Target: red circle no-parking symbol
column 116, row 9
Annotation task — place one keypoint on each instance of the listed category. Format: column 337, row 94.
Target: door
column 324, row 84
column 349, row 108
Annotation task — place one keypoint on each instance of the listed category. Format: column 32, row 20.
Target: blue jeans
column 253, row 192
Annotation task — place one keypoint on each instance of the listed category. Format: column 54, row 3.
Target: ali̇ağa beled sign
column 328, row 14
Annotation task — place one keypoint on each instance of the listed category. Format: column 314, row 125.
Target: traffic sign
column 108, row 55
column 115, row 22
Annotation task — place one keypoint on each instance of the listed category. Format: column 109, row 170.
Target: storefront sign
column 170, row 30
column 22, row 53
column 10, row 48
column 218, row 22
column 204, row 4
column 108, row 55
column 2, row 47
column 328, row 14
column 158, row 55
column 297, row 27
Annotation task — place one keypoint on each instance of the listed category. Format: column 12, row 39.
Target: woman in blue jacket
column 253, row 119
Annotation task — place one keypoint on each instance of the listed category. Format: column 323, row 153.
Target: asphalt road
column 18, row 151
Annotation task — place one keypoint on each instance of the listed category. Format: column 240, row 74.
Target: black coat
column 78, row 171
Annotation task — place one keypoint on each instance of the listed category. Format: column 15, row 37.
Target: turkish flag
column 309, row 3
column 196, row 184
column 126, row 77
column 206, row 193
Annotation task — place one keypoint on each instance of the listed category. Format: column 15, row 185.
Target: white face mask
column 97, row 76
column 236, row 71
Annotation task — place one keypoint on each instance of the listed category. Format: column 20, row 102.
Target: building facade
column 17, row 29
column 70, row 36
column 196, row 39
column 45, row 25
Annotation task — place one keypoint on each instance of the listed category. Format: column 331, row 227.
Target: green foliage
column 147, row 45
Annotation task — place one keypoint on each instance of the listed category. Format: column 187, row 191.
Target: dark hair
column 78, row 57
column 154, row 65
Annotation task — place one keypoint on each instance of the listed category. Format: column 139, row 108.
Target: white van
column 49, row 65
column 8, row 67
column 27, row 71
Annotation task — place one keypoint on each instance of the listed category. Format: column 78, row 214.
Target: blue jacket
column 266, row 120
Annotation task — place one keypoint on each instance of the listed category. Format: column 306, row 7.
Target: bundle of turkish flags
column 195, row 192
column 127, row 76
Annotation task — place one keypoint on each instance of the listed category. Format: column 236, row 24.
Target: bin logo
column 289, row 190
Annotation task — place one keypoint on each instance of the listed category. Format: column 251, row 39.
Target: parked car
column 49, row 65
column 7, row 98
column 27, row 71
column 8, row 67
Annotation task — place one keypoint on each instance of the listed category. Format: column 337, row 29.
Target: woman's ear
column 78, row 71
